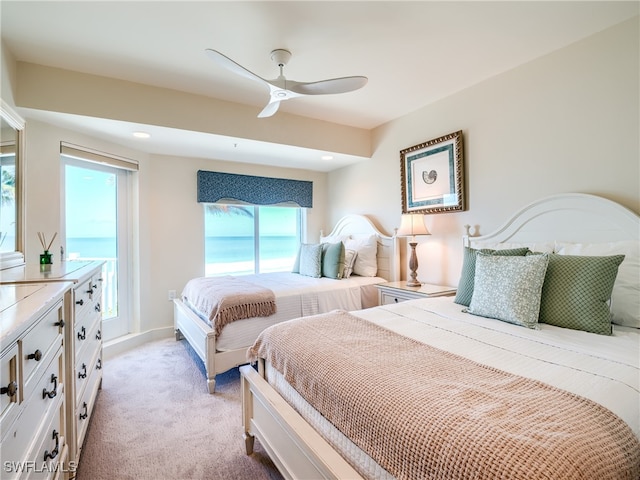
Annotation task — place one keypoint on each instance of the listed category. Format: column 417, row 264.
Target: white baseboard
column 122, row 344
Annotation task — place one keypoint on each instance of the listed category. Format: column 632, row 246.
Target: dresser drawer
column 84, row 332
column 36, row 411
column 50, row 454
column 46, row 392
column 44, row 369
column 89, row 361
column 83, row 296
column 85, row 406
column 37, row 343
column 9, row 400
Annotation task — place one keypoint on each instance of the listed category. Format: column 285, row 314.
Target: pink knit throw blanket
column 226, row 299
column 424, row 413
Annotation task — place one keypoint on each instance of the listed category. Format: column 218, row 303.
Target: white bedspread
column 299, row 296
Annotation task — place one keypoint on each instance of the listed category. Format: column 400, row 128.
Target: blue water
column 92, row 247
column 217, row 249
column 240, row 249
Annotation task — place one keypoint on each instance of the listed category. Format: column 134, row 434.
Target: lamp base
column 413, row 267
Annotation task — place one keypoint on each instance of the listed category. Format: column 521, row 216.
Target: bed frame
column 201, row 336
column 300, row 452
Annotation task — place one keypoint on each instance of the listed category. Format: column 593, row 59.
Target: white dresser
column 83, row 340
column 33, row 382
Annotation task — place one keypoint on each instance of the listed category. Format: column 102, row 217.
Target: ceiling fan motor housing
column 280, row 56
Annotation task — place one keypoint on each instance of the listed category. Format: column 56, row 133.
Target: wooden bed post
column 247, row 408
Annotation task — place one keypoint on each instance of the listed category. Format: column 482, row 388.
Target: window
column 242, row 239
column 8, row 203
column 97, row 215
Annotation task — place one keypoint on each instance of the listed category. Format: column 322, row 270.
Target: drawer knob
column 99, row 335
column 10, row 390
column 54, row 391
column 90, row 291
column 82, row 334
column 86, row 411
column 37, row 356
column 97, row 307
column 94, row 286
column 54, row 452
column 80, row 302
column 60, row 324
column 99, row 364
column 83, row 373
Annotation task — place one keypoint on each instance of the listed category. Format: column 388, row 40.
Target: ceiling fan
column 282, row 89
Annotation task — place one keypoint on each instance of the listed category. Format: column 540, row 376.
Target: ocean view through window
column 96, row 226
column 245, row 239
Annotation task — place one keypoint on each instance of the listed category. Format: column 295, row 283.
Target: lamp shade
column 412, row 224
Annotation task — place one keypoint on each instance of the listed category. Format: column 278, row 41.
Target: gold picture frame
column 432, row 175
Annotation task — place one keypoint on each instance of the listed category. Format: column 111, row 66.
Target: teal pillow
column 577, row 291
column 310, row 260
column 508, row 288
column 465, row 285
column 333, row 260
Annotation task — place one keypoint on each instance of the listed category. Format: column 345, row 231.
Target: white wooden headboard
column 570, row 217
column 388, row 248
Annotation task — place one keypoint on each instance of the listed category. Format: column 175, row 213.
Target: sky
column 90, row 203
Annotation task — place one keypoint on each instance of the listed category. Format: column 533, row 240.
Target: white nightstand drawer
column 396, row 292
column 389, row 298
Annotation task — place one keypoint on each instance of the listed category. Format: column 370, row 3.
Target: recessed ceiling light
column 141, row 134
column 327, row 157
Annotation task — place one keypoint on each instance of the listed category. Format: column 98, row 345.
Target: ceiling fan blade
column 270, row 109
column 232, row 66
column 324, row 87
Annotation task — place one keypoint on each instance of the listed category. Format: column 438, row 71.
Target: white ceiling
column 413, row 53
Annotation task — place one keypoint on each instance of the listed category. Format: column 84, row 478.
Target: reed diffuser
column 46, row 258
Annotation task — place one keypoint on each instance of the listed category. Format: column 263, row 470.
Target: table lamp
column 412, row 224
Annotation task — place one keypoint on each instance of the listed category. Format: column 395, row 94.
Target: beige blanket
column 223, row 300
column 421, row 412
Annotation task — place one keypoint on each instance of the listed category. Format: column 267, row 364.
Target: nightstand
column 394, row 292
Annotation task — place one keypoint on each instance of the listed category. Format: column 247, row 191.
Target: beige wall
column 168, row 222
column 567, row 122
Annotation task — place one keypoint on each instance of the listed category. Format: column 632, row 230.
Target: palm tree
column 8, row 187
column 221, row 209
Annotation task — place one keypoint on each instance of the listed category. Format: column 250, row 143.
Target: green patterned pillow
column 310, row 260
column 577, row 291
column 333, row 260
column 508, row 288
column 465, row 285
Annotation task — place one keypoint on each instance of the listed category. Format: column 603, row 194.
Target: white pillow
column 625, row 298
column 349, row 260
column 509, row 288
column 366, row 264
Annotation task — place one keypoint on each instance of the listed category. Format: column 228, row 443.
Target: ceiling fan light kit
column 281, row 89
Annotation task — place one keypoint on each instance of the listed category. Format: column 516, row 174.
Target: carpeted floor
column 154, row 419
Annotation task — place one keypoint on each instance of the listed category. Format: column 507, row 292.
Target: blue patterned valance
column 216, row 186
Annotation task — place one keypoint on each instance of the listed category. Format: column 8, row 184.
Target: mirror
column 12, row 200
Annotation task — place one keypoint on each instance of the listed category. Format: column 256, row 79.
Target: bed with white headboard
column 376, row 260
column 535, row 375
